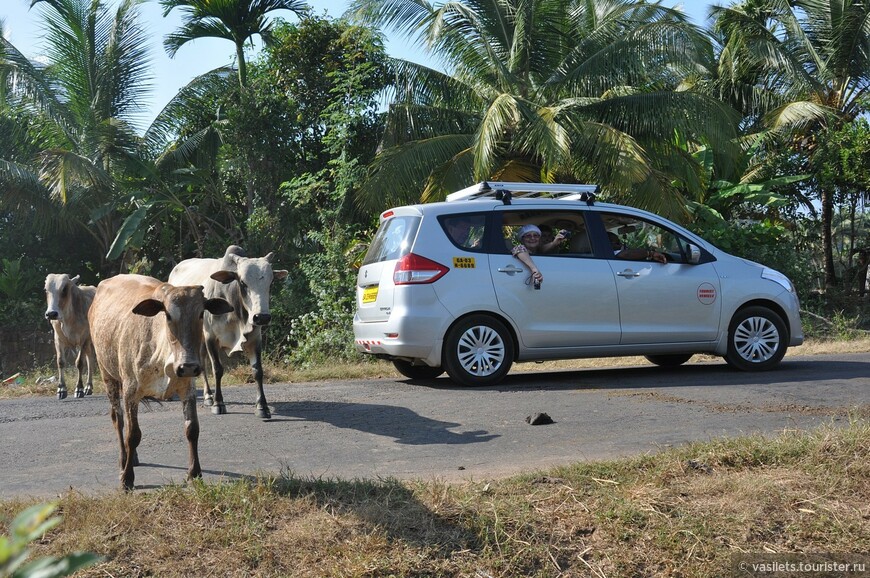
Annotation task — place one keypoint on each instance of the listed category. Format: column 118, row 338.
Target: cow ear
column 148, row 307
column 217, row 306
column 270, row 257
column 280, row 273
column 75, row 279
column 225, row 276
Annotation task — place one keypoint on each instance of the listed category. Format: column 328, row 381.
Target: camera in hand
column 565, row 233
column 536, row 284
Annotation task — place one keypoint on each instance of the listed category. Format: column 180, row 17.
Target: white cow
column 148, row 340
column 244, row 282
column 67, row 306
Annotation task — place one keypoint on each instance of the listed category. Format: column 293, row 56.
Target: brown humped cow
column 67, row 305
column 148, row 337
column 244, row 282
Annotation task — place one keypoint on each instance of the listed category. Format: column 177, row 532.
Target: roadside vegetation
column 689, row 512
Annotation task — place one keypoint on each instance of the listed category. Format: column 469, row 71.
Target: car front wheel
column 478, row 351
column 757, row 339
column 416, row 371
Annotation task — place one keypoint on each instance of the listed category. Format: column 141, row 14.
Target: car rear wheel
column 672, row 360
column 478, row 351
column 757, row 339
column 423, row 371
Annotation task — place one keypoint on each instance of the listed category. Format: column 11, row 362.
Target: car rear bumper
column 403, row 336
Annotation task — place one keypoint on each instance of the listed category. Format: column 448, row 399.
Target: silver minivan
column 439, row 289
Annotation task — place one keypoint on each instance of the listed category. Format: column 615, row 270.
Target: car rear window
column 393, row 239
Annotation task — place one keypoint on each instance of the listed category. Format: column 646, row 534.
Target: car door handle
column 628, row 273
column 510, row 269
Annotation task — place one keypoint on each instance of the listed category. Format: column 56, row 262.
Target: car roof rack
column 504, row 192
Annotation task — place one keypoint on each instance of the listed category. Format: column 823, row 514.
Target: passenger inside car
column 465, row 230
column 621, row 252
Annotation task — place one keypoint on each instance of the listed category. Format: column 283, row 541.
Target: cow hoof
column 89, row 391
column 61, row 394
column 79, row 393
column 219, row 409
column 208, row 401
column 263, row 413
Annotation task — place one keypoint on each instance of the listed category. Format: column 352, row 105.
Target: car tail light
column 414, row 269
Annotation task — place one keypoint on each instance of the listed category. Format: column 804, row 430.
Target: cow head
column 57, row 294
column 248, row 280
column 183, row 308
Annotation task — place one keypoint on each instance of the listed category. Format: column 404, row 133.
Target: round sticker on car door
column 706, row 294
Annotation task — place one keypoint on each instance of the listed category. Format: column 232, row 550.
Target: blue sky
column 21, row 28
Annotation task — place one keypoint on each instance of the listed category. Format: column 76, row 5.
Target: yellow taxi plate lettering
column 464, row 263
column 370, row 294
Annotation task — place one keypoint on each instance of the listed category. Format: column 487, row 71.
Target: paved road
column 389, row 428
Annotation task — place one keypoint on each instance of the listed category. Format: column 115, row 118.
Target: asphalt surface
column 395, row 428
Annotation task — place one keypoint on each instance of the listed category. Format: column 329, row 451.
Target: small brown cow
column 143, row 355
column 67, row 310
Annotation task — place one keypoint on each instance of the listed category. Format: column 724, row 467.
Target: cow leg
column 80, row 363
column 261, row 408
column 131, row 442
column 191, row 432
column 61, row 363
column 91, row 360
column 214, row 354
column 113, row 392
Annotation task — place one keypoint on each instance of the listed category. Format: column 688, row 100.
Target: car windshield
column 393, row 239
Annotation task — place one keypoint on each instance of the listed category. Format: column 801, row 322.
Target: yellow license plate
column 370, row 294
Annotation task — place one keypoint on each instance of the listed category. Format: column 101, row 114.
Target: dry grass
column 681, row 513
column 279, row 373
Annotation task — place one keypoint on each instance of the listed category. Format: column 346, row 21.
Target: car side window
column 570, row 224
column 465, row 231
column 632, row 238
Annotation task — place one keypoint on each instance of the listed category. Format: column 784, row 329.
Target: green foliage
column 32, row 524
column 17, row 282
column 19, row 292
column 320, row 301
column 544, row 90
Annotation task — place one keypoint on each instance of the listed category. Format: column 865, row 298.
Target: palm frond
column 186, row 104
column 400, row 174
column 402, row 16
column 498, row 120
column 798, row 116
column 61, row 170
column 190, row 31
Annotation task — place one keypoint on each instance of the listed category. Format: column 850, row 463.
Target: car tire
column 423, row 371
column 670, row 360
column 478, row 351
column 757, row 339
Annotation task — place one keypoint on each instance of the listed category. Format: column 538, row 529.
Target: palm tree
column 84, row 101
column 235, row 20
column 546, row 90
column 814, row 56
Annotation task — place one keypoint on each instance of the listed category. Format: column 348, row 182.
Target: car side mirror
column 694, row 254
